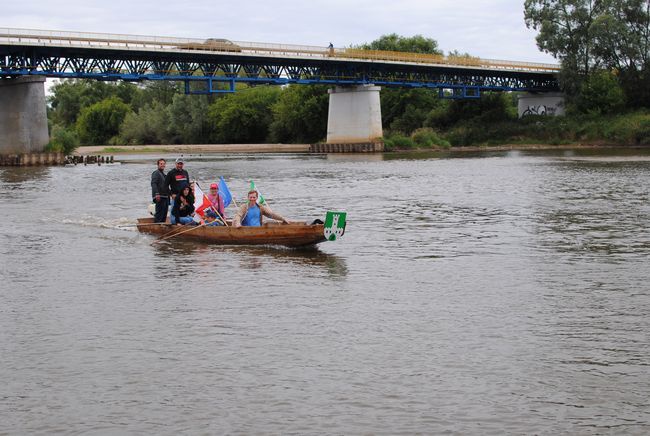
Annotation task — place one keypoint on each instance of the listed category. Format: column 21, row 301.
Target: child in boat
column 217, row 206
column 183, row 210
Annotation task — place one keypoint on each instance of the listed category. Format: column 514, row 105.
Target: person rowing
column 251, row 213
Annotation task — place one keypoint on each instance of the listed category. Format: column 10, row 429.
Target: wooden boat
column 289, row 235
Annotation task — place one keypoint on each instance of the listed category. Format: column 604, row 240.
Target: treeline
column 84, row 112
column 603, row 48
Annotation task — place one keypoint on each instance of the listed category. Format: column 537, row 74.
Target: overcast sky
column 489, row 29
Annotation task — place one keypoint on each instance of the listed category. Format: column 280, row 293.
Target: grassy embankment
column 630, row 129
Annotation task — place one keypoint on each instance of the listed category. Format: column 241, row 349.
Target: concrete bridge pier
column 551, row 103
column 23, row 117
column 354, row 115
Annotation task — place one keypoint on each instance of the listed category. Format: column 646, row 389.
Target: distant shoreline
column 193, row 148
column 304, row 148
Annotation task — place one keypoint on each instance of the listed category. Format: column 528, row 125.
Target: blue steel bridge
column 220, row 64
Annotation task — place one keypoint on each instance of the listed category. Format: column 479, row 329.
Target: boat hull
column 288, row 235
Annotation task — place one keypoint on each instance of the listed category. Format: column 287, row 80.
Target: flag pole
column 218, row 214
column 205, row 197
column 224, row 188
column 265, row 203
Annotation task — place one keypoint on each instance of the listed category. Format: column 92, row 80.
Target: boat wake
column 122, row 223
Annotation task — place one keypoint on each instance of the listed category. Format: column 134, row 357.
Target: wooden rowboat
column 289, row 235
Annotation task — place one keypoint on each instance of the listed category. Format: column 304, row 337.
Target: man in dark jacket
column 177, row 178
column 159, row 192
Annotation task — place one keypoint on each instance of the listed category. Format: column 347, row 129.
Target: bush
column 398, row 142
column 62, row 140
column 629, row 129
column 427, row 137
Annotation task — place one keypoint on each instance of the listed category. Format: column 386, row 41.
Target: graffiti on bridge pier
column 541, row 109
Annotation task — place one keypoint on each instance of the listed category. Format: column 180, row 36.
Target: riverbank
column 194, row 148
column 304, row 148
column 524, row 147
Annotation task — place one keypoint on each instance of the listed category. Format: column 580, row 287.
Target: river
column 484, row 293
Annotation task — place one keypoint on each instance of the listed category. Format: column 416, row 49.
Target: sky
column 488, row 29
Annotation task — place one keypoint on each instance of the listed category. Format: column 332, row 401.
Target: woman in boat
column 251, row 214
column 183, row 209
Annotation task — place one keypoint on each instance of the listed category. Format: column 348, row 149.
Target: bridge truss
column 221, row 68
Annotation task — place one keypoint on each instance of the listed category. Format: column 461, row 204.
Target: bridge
column 212, row 66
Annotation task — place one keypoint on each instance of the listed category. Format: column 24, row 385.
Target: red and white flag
column 201, row 202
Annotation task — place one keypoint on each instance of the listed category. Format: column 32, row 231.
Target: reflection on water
column 253, row 257
column 23, row 174
column 507, row 292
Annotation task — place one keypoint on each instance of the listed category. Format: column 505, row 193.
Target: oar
column 144, row 224
column 165, row 237
column 162, row 236
column 219, row 215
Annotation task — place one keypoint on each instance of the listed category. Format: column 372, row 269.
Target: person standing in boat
column 177, row 178
column 159, row 192
column 251, row 213
column 183, row 209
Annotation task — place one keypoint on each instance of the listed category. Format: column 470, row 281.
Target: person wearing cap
column 175, row 179
column 216, row 201
column 159, row 192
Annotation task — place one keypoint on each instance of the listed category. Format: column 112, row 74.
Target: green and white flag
column 334, row 225
column 260, row 197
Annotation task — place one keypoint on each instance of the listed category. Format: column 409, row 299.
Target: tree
column 69, row 97
column 589, row 35
column 160, row 90
column 491, row 108
column 244, row 117
column 150, row 125
column 412, row 44
column 188, row 119
column 405, row 110
column 565, row 32
column 101, row 121
column 622, row 41
column 300, row 114
column 599, row 94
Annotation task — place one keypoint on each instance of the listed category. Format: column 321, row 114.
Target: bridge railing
column 161, row 43
column 425, row 58
column 90, row 38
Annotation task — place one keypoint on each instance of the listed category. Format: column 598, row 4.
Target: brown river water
column 487, row 293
